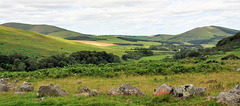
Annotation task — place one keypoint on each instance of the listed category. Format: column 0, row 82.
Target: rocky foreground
column 232, row 97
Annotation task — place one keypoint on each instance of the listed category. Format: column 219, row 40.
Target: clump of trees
column 230, row 57
column 188, row 53
column 18, row 62
column 137, row 54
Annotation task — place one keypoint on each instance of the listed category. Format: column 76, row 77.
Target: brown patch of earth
column 94, row 43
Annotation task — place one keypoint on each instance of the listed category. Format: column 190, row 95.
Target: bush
column 230, row 57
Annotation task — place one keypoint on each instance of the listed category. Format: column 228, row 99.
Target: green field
column 224, row 82
column 145, row 73
column 35, row 44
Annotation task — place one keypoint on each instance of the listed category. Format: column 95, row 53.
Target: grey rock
column 16, row 81
column 238, row 69
column 199, row 90
column 4, row 80
column 184, row 91
column 163, row 89
column 235, row 90
column 114, row 92
column 94, row 92
column 84, row 90
column 3, row 87
column 228, row 98
column 130, row 90
column 51, row 90
column 79, row 82
column 19, row 93
column 25, row 87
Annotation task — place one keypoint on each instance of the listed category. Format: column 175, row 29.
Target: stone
column 25, row 87
column 87, row 92
column 184, row 91
column 94, row 92
column 16, row 81
column 228, row 98
column 19, row 93
column 114, row 92
column 238, row 69
column 3, row 87
column 199, row 90
column 83, row 90
column 235, row 90
column 51, row 90
column 130, row 90
column 79, row 82
column 4, row 80
column 163, row 89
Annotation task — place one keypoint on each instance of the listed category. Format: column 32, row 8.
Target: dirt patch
column 94, row 43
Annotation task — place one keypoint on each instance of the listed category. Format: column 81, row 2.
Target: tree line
column 19, row 62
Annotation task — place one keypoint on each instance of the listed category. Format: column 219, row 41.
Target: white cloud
column 123, row 16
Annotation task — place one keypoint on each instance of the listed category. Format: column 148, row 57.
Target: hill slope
column 52, row 31
column 230, row 43
column 204, row 35
column 30, row 43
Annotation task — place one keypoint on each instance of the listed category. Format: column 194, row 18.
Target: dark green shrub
column 230, row 57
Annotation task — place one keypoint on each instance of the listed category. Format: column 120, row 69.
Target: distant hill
column 52, row 31
column 204, row 35
column 161, row 37
column 229, row 43
column 35, row 44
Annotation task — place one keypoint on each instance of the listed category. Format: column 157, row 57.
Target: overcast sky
column 131, row 17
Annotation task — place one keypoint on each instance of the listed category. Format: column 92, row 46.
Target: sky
column 123, row 17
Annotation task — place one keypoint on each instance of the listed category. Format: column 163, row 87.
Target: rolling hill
column 35, row 44
column 229, row 43
column 52, row 31
column 204, row 35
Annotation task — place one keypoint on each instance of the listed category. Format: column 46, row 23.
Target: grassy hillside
column 30, row 43
column 51, row 30
column 204, row 35
column 160, row 37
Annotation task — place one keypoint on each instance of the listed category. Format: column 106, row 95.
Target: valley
column 43, row 55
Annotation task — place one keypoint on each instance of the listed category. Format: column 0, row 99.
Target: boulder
column 25, row 87
column 87, row 92
column 84, row 90
column 4, row 80
column 130, row 90
column 228, row 98
column 235, row 90
column 184, row 91
column 199, row 90
column 16, row 81
column 94, row 92
column 51, row 90
column 114, row 92
column 238, row 69
column 79, row 82
column 3, row 87
column 163, row 89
